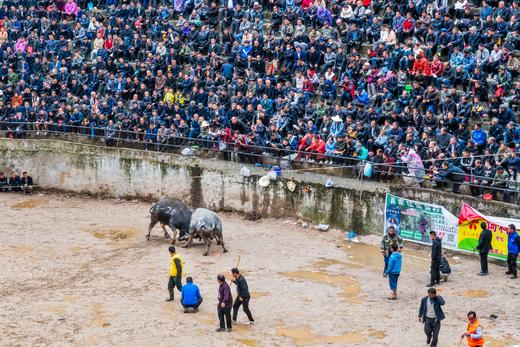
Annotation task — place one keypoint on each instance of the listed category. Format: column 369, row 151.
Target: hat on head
column 336, row 119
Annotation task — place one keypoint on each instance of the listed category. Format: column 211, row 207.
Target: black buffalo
column 171, row 212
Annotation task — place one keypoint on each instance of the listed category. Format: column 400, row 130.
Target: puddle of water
column 303, row 336
column 247, row 342
column 30, row 203
column 258, row 294
column 370, row 256
column 474, row 293
column 115, row 233
column 350, row 288
column 507, row 341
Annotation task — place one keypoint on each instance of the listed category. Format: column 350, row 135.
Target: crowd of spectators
column 425, row 87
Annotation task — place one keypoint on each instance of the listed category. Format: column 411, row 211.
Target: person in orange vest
column 473, row 332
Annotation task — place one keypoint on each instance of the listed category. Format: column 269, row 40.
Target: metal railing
column 245, row 153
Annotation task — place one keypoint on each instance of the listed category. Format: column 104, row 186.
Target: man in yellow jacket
column 176, row 268
column 474, row 333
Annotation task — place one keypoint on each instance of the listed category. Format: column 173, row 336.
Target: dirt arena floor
column 78, row 271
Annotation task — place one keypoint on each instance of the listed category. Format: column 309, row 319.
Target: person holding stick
column 243, row 296
column 473, row 333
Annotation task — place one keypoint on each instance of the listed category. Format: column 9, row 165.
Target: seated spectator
column 4, row 184
column 500, row 183
column 450, row 173
column 26, row 183
column 15, row 183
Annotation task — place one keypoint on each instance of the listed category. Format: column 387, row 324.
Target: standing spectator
column 243, row 296
column 393, row 270
column 190, row 296
column 435, row 275
column 483, row 247
column 389, row 239
column 26, row 183
column 513, row 248
column 225, row 302
column 176, row 268
column 431, row 315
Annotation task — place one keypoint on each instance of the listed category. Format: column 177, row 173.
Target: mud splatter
column 259, row 294
column 98, row 318
column 303, row 336
column 30, row 203
column 508, row 341
column 377, row 334
column 56, row 309
column 474, row 293
column 247, row 342
column 115, row 233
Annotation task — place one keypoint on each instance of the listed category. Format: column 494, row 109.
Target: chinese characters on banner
column 469, row 231
column 414, row 220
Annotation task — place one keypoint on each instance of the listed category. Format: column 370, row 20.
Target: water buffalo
column 205, row 225
column 171, row 212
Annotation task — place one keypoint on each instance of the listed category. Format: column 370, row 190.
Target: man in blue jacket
column 513, row 247
column 190, row 297
column 393, row 270
column 430, row 313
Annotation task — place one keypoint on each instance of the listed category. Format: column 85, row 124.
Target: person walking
column 388, row 239
column 393, row 270
column 176, row 267
column 225, row 301
column 513, row 247
column 243, row 296
column 190, row 297
column 430, row 313
column 483, row 247
column 473, row 333
column 435, row 269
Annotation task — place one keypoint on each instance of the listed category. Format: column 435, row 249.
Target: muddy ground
column 78, row 271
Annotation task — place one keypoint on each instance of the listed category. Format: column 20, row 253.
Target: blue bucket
column 277, row 170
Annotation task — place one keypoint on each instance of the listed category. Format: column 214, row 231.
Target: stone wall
column 217, row 184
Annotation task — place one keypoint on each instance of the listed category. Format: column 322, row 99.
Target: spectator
column 190, row 296
column 4, row 184
column 15, row 182
column 26, row 183
column 154, row 74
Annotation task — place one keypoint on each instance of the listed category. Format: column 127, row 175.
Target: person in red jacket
column 421, row 69
column 317, row 146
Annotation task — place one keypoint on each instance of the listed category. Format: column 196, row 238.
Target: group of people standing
column 430, row 311
column 191, row 297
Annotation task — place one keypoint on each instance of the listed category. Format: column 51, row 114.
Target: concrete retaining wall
column 216, row 184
